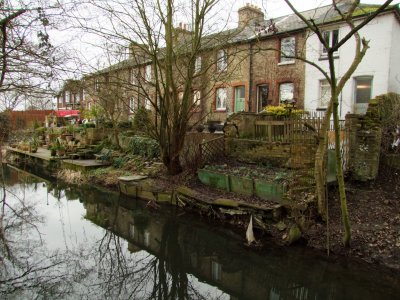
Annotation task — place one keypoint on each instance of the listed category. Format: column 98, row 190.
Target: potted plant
column 33, row 145
column 200, row 128
column 212, row 127
column 53, row 150
column 61, row 150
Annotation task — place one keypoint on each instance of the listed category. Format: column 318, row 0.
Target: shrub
column 144, row 146
column 124, row 124
column 40, row 130
column 282, row 110
column 89, row 125
column 141, row 121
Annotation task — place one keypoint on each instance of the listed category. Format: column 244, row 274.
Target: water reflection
column 93, row 244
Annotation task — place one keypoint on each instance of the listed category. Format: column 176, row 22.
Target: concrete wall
column 394, row 65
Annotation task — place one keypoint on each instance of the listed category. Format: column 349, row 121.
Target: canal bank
column 374, row 212
column 114, row 247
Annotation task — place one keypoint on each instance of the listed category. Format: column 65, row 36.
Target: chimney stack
column 250, row 14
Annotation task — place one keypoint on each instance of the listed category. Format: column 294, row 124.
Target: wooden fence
column 202, row 148
column 301, row 130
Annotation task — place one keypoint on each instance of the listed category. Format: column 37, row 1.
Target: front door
column 262, row 97
column 239, row 98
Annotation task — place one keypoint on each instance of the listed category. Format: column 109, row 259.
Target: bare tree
column 344, row 14
column 169, row 68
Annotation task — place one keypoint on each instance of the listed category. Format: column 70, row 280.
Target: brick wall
column 364, row 143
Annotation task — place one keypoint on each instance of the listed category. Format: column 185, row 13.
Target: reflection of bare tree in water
column 170, row 278
column 26, row 265
column 126, row 275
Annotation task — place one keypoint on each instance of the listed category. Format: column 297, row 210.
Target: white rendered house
column 378, row 73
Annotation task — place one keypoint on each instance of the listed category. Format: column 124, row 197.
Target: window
column 221, row 97
column 262, row 97
column 147, row 103
column 362, row 93
column 331, row 38
column 222, row 61
column 132, row 231
column 67, row 96
column 288, row 46
column 132, row 77
column 286, row 92
column 196, row 98
column 197, row 65
column 148, row 75
column 132, row 105
column 363, row 89
column 147, row 238
column 96, row 84
column 324, row 94
column 216, row 271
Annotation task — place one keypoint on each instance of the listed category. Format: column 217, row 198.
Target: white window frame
column 324, row 93
column 67, row 96
column 196, row 98
column 147, row 104
column 148, row 73
column 146, row 238
column 291, row 41
column 132, row 105
column 329, row 35
column 281, row 100
column 356, row 79
column 132, row 231
column 197, row 65
column 220, row 104
column 132, row 77
column 216, row 271
column 222, row 60
column 96, row 85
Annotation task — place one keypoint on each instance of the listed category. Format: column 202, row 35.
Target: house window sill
column 325, row 57
column 220, row 110
column 284, row 63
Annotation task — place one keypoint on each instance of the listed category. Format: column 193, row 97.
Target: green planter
column 214, row 179
column 241, row 185
column 268, row 190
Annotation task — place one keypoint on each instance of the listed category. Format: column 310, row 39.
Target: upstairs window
column 222, row 60
column 148, row 75
column 197, row 65
column 288, row 47
column 286, row 92
column 331, row 37
column 196, row 98
column 132, row 77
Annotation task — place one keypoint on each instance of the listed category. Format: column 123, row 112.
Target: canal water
column 62, row 242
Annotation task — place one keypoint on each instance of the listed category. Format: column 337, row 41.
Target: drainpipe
column 250, row 75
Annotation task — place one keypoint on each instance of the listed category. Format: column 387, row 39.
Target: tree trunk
column 320, row 165
column 340, row 177
column 173, row 164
